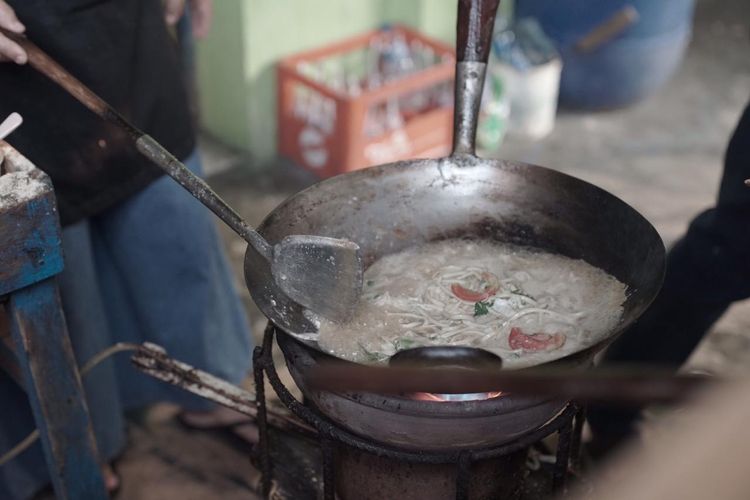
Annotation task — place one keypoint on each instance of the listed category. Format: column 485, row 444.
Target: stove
column 354, row 464
column 422, row 445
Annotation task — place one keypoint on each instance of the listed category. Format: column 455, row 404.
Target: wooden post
column 52, row 383
column 30, row 257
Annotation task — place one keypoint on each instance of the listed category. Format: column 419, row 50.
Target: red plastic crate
column 328, row 130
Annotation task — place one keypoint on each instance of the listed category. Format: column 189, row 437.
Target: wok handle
column 145, row 144
column 476, row 19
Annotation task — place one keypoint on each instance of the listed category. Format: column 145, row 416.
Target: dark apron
column 124, row 52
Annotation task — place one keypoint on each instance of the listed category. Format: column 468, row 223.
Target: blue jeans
column 150, row 269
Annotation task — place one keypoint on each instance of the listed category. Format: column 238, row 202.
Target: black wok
column 388, row 208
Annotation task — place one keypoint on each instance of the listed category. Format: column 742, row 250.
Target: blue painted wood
column 55, row 392
column 8, row 360
column 30, row 248
column 42, row 358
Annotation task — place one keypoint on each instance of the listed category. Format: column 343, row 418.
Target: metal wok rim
column 458, row 162
column 483, row 408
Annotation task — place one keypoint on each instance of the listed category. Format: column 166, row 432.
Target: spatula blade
column 320, row 273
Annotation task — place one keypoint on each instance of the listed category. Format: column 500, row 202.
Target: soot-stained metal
column 153, row 360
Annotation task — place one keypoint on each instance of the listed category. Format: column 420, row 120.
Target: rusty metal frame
column 154, row 361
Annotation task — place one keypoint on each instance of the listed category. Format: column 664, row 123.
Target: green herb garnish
column 481, row 308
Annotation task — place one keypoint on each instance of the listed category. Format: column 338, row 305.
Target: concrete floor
column 663, row 156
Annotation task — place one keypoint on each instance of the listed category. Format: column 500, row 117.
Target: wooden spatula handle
column 145, row 144
column 44, row 64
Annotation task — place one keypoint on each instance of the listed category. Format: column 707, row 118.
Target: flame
column 450, row 398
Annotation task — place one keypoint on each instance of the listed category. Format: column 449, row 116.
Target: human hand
column 201, row 12
column 10, row 50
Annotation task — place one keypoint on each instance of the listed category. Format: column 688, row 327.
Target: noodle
column 526, row 306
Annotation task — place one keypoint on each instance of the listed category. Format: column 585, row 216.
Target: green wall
column 236, row 64
column 223, row 90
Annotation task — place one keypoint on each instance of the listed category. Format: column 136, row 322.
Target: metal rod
column 154, row 361
column 463, row 475
column 468, row 95
column 476, row 19
column 562, row 461
column 197, row 187
column 266, row 466
column 329, row 473
column 575, row 447
column 611, row 386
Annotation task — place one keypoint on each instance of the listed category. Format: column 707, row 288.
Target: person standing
column 707, row 270
column 143, row 261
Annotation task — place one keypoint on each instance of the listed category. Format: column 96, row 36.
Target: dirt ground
column 663, row 156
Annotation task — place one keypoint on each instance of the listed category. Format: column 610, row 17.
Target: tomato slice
column 535, row 341
column 471, row 295
column 491, row 288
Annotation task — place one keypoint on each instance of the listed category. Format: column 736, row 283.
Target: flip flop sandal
column 187, row 421
column 242, row 433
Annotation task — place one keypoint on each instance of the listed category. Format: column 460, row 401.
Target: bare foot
column 237, row 423
column 218, row 417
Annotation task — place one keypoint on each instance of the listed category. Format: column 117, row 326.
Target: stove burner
column 568, row 424
column 474, row 396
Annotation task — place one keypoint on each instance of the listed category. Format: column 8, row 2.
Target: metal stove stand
column 568, row 424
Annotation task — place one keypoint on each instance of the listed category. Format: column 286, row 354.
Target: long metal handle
column 600, row 386
column 154, row 361
column 145, row 144
column 155, row 152
column 476, row 19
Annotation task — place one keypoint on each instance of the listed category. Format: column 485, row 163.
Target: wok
column 388, row 208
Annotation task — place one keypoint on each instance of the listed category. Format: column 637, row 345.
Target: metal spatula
column 320, row 273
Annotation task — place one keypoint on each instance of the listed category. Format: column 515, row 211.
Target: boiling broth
column 525, row 305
